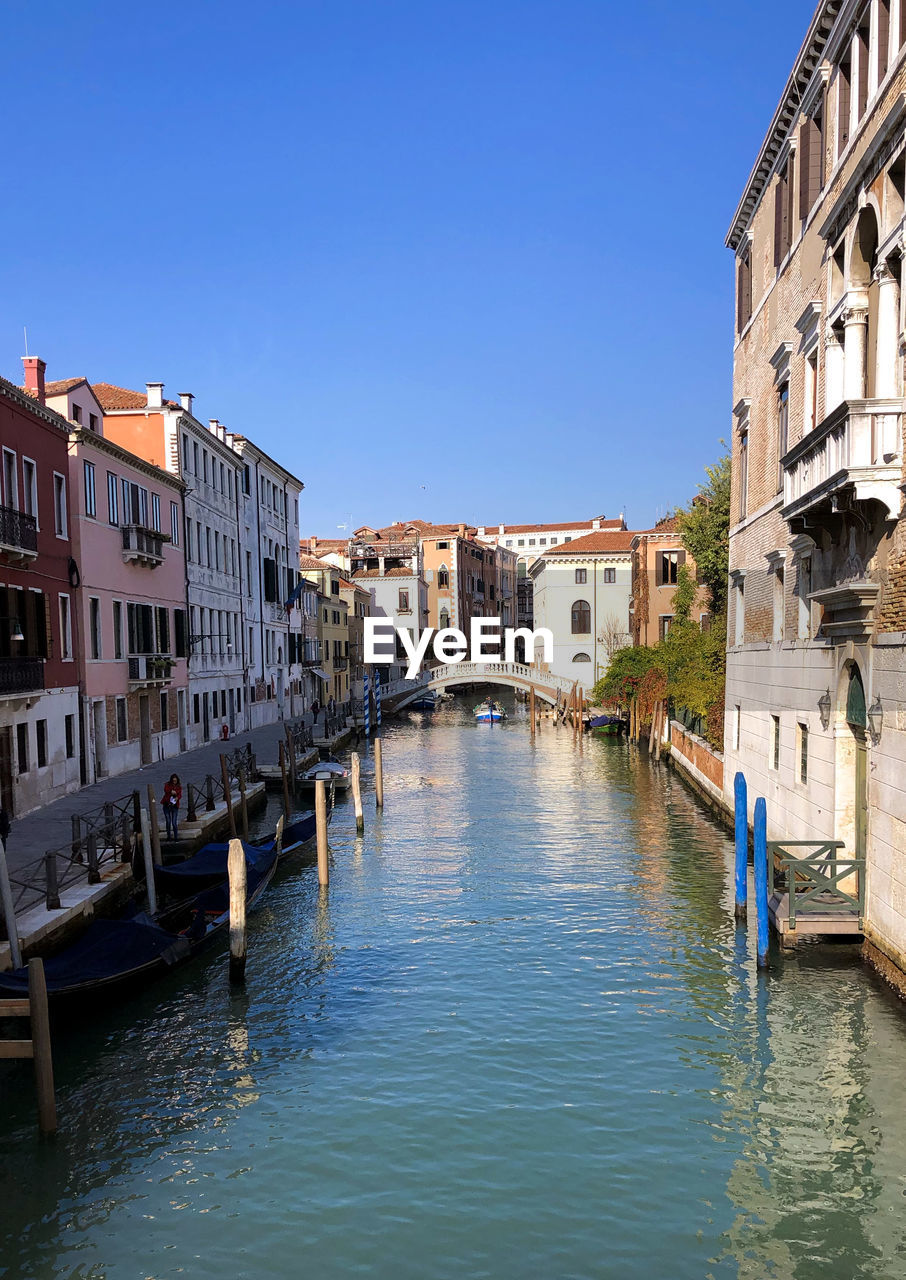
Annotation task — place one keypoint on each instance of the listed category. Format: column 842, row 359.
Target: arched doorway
column 852, row 762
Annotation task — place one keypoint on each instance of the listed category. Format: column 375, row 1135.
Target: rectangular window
column 844, row 105
column 810, row 404
column 22, row 747
column 743, row 473
column 782, row 214
column 581, row 575
column 668, row 564
column 778, row 605
column 69, row 724
column 664, row 625
column 805, row 604
column 174, row 523
column 196, row 705
column 811, row 163
column 775, row 743
column 10, row 479
column 113, row 498
column 803, row 753
column 403, row 601
column 610, row 575
column 61, row 523
column 740, row 627
column 93, row 422
column 91, row 501
column 128, row 517
column 204, row 463
column 737, row 717
column 118, row 650
column 77, row 413
column 179, row 629
column 783, row 428
column 94, row 626
column 41, row 731
column 190, row 554
column 29, row 488
column 744, row 289
column 155, row 513
column 65, row 628
column 185, row 452
column 122, row 720
column 863, row 42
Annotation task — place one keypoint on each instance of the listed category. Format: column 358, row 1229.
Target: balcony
column 21, row 676
column 340, row 664
column 150, row 671
column 854, row 455
column 18, row 534
column 143, row 546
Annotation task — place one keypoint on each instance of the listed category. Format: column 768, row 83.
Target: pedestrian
column 172, row 800
column 315, row 708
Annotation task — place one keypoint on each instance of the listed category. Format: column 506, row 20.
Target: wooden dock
column 814, row 890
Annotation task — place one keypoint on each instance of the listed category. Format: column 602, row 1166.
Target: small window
column 803, row 753
column 779, row 605
column 531, row 542
column 567, row 539
column 581, row 577
column 443, row 576
column 91, row 501
column 155, row 513
column 65, row 628
column 737, row 720
column 122, row 721
column 581, row 618
column 77, row 413
column 404, row 601
column 743, row 455
column 69, row 725
column 553, row 542
column 775, row 743
column 113, row 499
column 118, row 629
column 41, row 731
column 10, row 479
column 610, row 575
column 542, row 542
column 663, row 625
column 174, row 523
column 581, row 657
column 94, row 626
column 22, row 748
column 443, row 546
column 783, row 428
column 93, row 422
column 740, row 601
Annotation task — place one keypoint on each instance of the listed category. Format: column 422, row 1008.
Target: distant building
column 582, row 591
column 658, row 555
column 357, row 600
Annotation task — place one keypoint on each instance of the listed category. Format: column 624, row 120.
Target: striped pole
column 742, row 846
column 367, row 709
column 377, row 702
column 761, row 878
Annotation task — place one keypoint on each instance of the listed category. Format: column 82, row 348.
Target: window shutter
column 805, row 168
column 778, row 222
column 680, row 557
column 789, row 192
column 163, row 629
column 179, row 628
column 843, row 105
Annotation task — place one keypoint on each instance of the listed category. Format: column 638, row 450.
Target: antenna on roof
column 25, row 331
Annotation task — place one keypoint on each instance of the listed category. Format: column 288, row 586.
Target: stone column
column 855, row 343
column 833, row 371
column 888, row 324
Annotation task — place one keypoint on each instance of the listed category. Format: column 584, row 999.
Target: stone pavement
column 51, row 826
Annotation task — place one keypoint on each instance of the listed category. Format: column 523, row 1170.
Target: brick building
column 816, row 671
column 657, row 557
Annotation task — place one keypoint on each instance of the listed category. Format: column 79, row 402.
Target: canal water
column 520, row 1036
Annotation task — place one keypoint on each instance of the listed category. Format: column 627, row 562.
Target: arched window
column 581, row 618
column 443, row 576
column 581, row 657
column 444, row 620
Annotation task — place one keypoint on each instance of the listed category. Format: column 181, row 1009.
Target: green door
column 861, row 797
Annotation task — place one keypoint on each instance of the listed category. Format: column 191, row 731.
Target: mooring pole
column 236, row 869
column 378, row 774
column 40, row 1038
column 149, row 863
column 357, row 792
column 531, row 703
column 244, row 803
column 9, row 911
column 227, row 795
column 283, row 774
column 761, row 879
column 155, row 825
column 741, row 828
column 321, row 826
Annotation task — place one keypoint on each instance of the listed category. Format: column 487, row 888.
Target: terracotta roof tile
column 615, row 523
column 312, row 562
column 602, row 540
column 113, row 397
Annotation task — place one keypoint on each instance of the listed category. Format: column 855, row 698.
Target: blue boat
column 488, row 712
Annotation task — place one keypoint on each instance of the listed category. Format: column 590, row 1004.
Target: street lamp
column 824, row 708
column 876, row 719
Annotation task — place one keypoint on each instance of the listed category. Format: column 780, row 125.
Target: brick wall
column 698, row 753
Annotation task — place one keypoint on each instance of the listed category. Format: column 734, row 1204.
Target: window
column 179, row 631
column 581, row 577
column 542, row 542
column 778, row 604
column 803, row 753
column 174, row 523
column 844, row 103
column 810, row 400
column 22, row 747
column 10, row 480
column 737, row 719
column 91, row 501
column 783, row 212
column 863, row 41
column 403, row 601
column 93, row 422
column 113, row 499
column 185, row 452
column 122, row 720
column 29, row 488
column 740, row 602
column 65, row 628
column 190, row 552
column 531, row 542
column 663, row 625
column 118, row 629
column 94, row 626
column 783, row 428
column 204, row 463
column 811, row 163
column 509, row 542
column 610, row 575
column 743, row 455
column 197, row 472
column 520, row 542
column 668, row 564
column 443, row 576
column 41, row 731
column 581, row 618
column 69, row 724
column 744, row 288
column 208, row 546
column 77, row 413
column 775, row 742
column 553, row 542
column 581, row 657
column 196, row 708
column 155, row 513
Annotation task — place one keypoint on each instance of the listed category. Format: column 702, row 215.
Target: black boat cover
column 107, row 949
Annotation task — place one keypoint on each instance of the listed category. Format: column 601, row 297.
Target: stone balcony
column 853, row 455
column 150, row 671
column 143, row 546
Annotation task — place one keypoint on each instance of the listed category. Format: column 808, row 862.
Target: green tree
column 705, row 529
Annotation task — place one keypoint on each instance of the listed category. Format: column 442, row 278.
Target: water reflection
column 519, row 1035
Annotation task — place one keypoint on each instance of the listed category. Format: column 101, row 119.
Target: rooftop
column 601, row 541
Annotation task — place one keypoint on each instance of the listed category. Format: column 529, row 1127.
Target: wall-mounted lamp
column 876, row 718
column 15, row 628
column 824, row 708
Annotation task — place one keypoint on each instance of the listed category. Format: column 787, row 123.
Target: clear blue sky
column 453, row 259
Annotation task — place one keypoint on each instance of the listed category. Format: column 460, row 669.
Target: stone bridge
column 449, row 675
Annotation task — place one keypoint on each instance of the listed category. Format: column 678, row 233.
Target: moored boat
column 488, row 712
column 330, row 771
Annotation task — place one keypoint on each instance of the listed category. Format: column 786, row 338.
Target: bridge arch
column 512, row 675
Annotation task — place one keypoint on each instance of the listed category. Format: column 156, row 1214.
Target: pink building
column 127, row 522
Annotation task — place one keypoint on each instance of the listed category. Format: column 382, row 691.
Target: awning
column 316, row 671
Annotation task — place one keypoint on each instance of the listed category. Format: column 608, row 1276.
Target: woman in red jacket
column 171, row 802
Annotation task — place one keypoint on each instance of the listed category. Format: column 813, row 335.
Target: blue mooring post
column 742, row 846
column 761, row 878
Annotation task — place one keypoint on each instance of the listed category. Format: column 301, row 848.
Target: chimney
column 214, row 424
column 185, row 399
column 500, row 530
column 34, row 377
column 462, row 530
column 155, row 394
column 313, row 543
column 596, row 524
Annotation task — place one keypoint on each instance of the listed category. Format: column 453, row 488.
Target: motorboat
column 488, row 712
column 330, row 771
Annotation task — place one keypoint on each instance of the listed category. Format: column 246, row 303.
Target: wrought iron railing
column 21, row 675
column 815, row 882
column 18, row 530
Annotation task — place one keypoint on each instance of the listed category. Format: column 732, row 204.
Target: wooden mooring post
column 291, row 752
column 149, row 863
column 321, row 826
column 284, row 775
column 9, row 910
column 236, row 869
column 155, row 826
column 244, row 803
column 356, row 769
column 378, row 774
column 532, row 709
column 227, row 794
column 38, row 1048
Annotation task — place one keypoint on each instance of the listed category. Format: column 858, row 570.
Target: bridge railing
column 488, row 670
